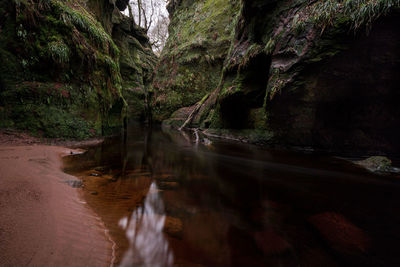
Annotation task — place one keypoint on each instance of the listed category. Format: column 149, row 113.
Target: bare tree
column 131, row 14
column 152, row 16
column 139, row 9
column 159, row 34
column 145, row 10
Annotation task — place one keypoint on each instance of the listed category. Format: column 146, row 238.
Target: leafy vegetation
column 191, row 62
column 54, row 40
column 84, row 22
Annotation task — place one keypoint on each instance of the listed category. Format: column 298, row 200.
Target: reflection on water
column 147, row 245
column 175, row 198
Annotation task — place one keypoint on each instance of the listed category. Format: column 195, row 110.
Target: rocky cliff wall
column 137, row 60
column 309, row 73
column 61, row 73
column 190, row 66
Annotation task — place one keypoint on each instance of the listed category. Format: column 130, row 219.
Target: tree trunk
column 140, row 11
column 131, row 14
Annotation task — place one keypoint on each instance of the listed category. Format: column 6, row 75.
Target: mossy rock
column 376, row 164
column 191, row 63
column 61, row 75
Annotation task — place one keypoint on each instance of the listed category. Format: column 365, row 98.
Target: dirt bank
column 43, row 222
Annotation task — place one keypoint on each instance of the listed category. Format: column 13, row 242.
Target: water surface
column 169, row 201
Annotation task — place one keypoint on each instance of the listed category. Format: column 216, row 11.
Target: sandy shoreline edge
column 44, row 221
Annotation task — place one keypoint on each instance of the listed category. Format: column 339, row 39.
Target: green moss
column 85, row 22
column 214, row 119
column 52, row 110
column 210, row 23
column 191, row 62
column 54, row 122
column 258, row 119
column 71, row 47
column 376, row 164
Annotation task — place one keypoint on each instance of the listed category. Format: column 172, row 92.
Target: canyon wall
column 320, row 74
column 190, row 65
column 71, row 68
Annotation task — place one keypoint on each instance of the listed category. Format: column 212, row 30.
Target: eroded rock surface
column 321, row 74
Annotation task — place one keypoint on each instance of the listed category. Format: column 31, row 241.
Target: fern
column 85, row 23
column 270, row 46
column 58, row 51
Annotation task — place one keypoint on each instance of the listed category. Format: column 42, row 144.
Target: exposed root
column 194, row 112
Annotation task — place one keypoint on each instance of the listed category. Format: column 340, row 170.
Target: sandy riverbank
column 43, row 222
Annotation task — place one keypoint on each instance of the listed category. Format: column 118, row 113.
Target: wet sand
column 43, row 221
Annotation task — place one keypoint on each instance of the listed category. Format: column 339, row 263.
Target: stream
column 168, row 200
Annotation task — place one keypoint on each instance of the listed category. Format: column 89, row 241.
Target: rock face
column 64, row 66
column 310, row 73
column 377, row 164
column 191, row 62
column 340, row 98
column 137, row 62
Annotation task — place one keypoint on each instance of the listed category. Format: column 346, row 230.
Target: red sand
column 43, row 222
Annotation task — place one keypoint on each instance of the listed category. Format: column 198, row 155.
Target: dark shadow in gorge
column 235, row 108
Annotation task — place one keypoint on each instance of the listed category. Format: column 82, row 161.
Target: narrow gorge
column 319, row 74
column 199, row 133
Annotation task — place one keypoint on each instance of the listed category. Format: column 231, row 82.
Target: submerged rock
column 207, row 142
column 271, row 243
column 342, row 235
column 173, row 226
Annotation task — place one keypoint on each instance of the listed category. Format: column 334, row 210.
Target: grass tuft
column 358, row 12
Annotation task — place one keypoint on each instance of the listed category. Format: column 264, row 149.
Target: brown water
column 169, row 201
